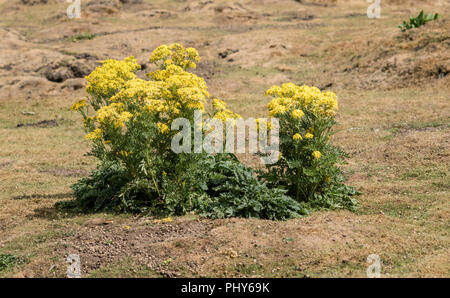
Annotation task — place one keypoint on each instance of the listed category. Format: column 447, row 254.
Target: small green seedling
column 421, row 19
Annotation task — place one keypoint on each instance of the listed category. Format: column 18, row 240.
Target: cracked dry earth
column 394, row 121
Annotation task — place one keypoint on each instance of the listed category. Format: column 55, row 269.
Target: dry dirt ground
column 394, row 121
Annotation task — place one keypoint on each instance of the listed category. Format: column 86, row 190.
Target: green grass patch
column 82, row 36
column 248, row 269
column 8, row 261
column 124, row 268
column 424, row 174
column 421, row 19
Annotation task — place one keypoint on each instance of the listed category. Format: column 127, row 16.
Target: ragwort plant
column 308, row 164
column 131, row 125
column 131, row 137
column 128, row 120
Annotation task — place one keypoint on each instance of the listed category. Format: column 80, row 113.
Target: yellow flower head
column 274, row 91
column 297, row 137
column 162, row 52
column 124, row 117
column 225, row 115
column 218, row 104
column 309, row 136
column 297, row 114
column 95, row 134
column 276, row 109
column 114, row 114
column 78, row 105
column 175, row 54
column 167, row 219
column 305, row 97
column 316, row 154
column 139, row 90
column 107, row 79
column 163, row 128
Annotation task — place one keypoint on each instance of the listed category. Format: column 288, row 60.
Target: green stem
column 151, row 173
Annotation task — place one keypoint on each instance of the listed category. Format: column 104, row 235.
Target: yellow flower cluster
column 297, row 114
column 290, row 97
column 149, row 95
column 107, row 79
column 219, row 105
column 118, row 95
column 166, row 72
column 221, row 112
column 114, row 114
column 175, row 54
column 309, row 135
column 191, row 89
column 167, row 219
column 182, row 87
column 156, row 105
column 79, row 104
column 225, row 115
column 316, row 154
column 297, row 137
column 163, row 128
column 164, row 220
column 138, row 90
column 96, row 134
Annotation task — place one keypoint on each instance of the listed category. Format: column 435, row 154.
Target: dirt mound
column 297, row 15
column 409, row 58
column 11, row 39
column 408, row 3
column 131, row 1
column 215, row 6
column 103, row 7
column 42, row 124
column 25, row 87
column 53, row 65
column 317, row 2
column 155, row 13
column 264, row 50
column 63, row 70
column 93, row 8
column 223, row 11
column 34, row 72
column 34, row 2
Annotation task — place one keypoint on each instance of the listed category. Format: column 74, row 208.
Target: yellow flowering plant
column 129, row 121
column 307, row 167
column 132, row 117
